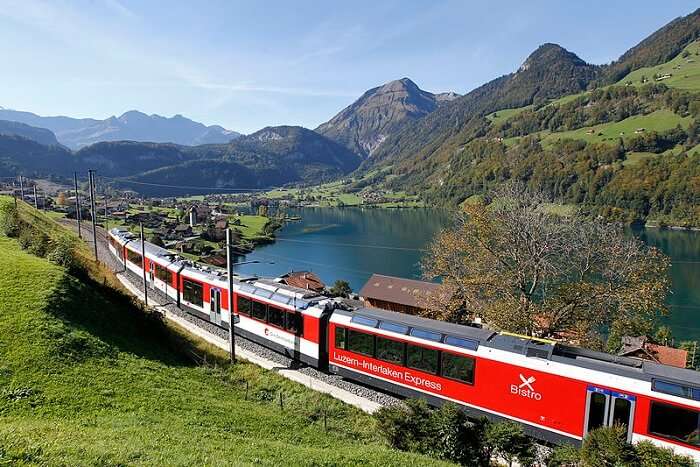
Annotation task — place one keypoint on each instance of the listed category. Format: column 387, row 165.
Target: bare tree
column 523, row 266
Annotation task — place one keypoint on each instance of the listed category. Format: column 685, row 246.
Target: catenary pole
column 143, row 265
column 232, row 323
column 77, row 203
column 93, row 212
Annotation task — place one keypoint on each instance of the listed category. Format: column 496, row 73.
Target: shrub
column 9, row 220
column 508, row 441
column 39, row 244
column 62, row 253
column 607, row 446
column 650, row 455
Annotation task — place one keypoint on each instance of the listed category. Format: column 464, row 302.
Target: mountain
column 132, row 126
column 21, row 155
column 659, row 47
column 379, row 113
column 270, row 157
column 549, row 72
column 40, row 135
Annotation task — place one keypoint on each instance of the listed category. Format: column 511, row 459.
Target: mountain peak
column 378, row 113
column 549, row 54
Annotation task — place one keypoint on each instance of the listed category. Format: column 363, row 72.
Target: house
column 641, row 348
column 183, row 230
column 304, row 280
column 396, row 293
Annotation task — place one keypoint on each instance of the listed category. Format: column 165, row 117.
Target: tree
column 508, row 441
column 522, row 266
column 341, row 288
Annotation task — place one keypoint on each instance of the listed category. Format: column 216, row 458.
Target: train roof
column 534, row 348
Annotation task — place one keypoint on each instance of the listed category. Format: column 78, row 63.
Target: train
column 557, row 392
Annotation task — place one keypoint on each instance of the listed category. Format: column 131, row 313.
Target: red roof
column 397, row 289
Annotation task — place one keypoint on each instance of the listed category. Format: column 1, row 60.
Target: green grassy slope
column 685, row 71
column 86, row 379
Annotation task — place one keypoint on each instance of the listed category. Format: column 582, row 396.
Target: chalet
column 396, row 293
column 641, row 348
column 183, row 230
column 303, row 280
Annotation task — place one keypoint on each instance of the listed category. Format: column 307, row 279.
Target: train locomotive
column 557, row 392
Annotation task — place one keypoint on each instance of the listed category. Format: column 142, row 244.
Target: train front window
column 458, row 367
column 259, row 311
column 420, row 358
column 192, row 292
column 390, row 350
column 340, row 339
column 360, row 342
column 677, row 423
column 244, row 306
column 275, row 316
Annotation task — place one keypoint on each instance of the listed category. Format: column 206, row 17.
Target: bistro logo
column 525, row 388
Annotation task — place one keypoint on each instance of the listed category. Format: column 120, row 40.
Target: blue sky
column 245, row 65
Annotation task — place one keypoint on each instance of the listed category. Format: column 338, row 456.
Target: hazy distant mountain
column 131, row 126
column 39, row 135
column 379, row 113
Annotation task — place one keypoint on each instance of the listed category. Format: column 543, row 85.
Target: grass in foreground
column 87, row 378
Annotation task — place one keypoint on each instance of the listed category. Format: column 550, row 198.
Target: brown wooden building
column 396, row 293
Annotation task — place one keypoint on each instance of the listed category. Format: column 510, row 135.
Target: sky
column 246, row 65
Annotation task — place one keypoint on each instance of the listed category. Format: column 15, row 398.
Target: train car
column 287, row 319
column 558, row 393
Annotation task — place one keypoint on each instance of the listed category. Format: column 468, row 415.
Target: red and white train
column 557, row 392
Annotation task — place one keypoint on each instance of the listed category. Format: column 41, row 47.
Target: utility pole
column 143, row 265
column 36, row 205
column 21, row 187
column 231, row 324
column 77, row 203
column 106, row 218
column 91, row 175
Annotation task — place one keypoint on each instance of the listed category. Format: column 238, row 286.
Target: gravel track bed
column 157, row 297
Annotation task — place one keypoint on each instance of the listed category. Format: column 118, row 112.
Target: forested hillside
column 624, row 150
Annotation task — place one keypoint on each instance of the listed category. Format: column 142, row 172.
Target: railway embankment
column 87, row 376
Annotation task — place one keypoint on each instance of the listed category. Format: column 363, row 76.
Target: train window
column 429, row 335
column 275, row 316
column 360, row 342
column 390, row 350
column 363, row 320
column 340, row 337
column 676, row 389
column 464, row 343
column 420, row 358
column 670, row 421
column 244, row 306
column 295, row 323
column 259, row 311
column 458, row 367
column 133, row 257
column 162, row 273
column 393, row 327
column 192, row 292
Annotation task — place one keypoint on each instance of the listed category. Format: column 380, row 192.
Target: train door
column 151, row 273
column 607, row 408
column 215, row 306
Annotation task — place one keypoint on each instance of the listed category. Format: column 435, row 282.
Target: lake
column 353, row 243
